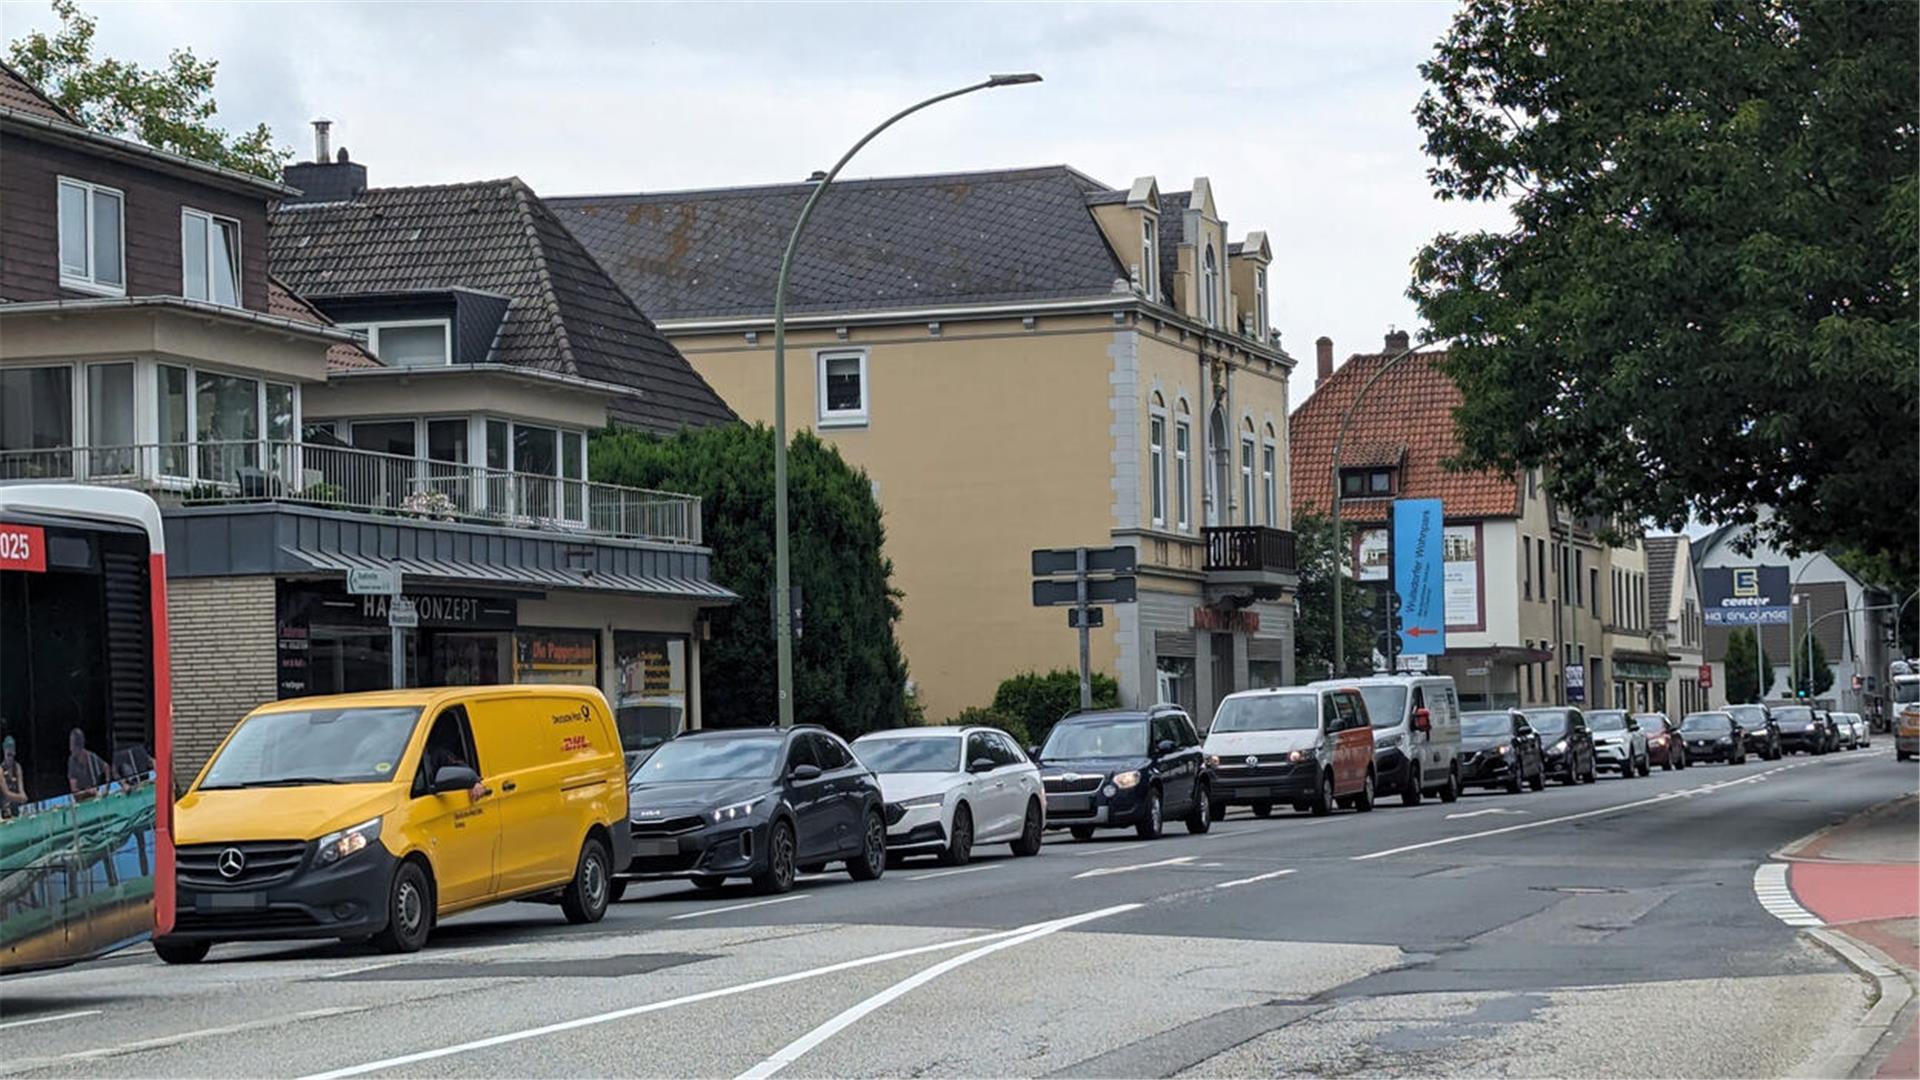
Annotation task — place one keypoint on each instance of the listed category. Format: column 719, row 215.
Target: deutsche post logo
column 1746, row 581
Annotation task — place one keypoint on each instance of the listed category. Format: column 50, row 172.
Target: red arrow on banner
column 1420, row 631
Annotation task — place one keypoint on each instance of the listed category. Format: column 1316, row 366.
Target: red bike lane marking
column 1851, row 892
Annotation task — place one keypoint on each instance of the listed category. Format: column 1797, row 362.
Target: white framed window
column 1270, row 478
column 209, row 257
column 1246, row 477
column 1149, row 258
column 1183, row 470
column 410, row 342
column 1210, row 287
column 214, row 427
column 1260, row 302
column 93, row 238
column 842, row 387
column 1157, row 461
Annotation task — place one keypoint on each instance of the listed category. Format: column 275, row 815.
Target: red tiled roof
column 1409, row 412
column 287, row 304
column 18, row 94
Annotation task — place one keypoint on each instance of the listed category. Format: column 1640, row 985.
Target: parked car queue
column 371, row 816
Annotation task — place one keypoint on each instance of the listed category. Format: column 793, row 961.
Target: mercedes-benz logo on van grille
column 233, row 862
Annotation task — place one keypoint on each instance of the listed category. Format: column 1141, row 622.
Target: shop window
column 557, row 657
column 651, row 678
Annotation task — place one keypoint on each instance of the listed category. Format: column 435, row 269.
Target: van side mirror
column 1422, row 719
column 454, row 778
column 803, row 773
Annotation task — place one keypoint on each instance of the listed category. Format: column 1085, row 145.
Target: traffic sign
column 1067, row 593
column 401, row 614
column 1051, row 562
column 373, row 581
column 1096, row 616
column 1476, row 672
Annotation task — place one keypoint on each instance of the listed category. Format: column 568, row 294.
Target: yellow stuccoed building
column 1019, row 359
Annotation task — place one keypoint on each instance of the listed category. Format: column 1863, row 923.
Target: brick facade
column 223, row 660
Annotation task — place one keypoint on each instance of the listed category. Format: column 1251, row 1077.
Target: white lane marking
column 1269, row 876
column 813, row 877
column 1483, row 813
column 1615, row 809
column 50, row 1019
column 162, row 1041
column 1771, row 889
column 1104, row 850
column 1130, row 867
column 657, row 1006
column 950, row 873
column 799, row 1047
column 731, row 907
column 424, row 958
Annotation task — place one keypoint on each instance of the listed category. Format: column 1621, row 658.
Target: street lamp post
column 782, row 583
column 1340, row 546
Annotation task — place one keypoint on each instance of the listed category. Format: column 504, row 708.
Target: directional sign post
column 401, row 617
column 1080, row 578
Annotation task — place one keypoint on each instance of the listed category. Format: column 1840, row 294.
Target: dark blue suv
column 756, row 803
column 1126, row 768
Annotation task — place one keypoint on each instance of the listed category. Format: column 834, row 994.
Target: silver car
column 1618, row 743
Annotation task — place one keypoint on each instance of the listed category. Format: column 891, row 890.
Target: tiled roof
column 287, row 304
column 1660, row 555
column 564, row 313
column 1411, row 407
column 18, row 94
column 901, row 242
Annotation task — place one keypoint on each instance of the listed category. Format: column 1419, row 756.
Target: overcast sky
column 1300, row 114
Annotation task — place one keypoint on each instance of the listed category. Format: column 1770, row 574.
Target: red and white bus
column 86, row 807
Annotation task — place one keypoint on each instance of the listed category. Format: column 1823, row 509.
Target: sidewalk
column 1862, row 879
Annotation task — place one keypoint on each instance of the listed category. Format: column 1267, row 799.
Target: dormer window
column 209, row 257
column 1366, row 483
column 413, row 343
column 1210, row 288
column 1149, row 259
column 1260, row 302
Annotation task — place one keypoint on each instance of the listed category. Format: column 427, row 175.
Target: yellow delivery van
column 368, row 816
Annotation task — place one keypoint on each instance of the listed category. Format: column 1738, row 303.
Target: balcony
column 343, row 478
column 1250, row 558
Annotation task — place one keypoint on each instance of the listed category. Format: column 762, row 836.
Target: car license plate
column 237, row 901
column 1069, row 804
column 656, row 848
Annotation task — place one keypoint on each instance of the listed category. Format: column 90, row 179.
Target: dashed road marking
column 49, row 1019
column 1483, row 813
column 1269, row 876
column 1130, row 867
column 1771, row 889
column 951, row 873
column 732, row 907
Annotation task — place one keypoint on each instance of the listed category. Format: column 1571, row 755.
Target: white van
column 1416, row 734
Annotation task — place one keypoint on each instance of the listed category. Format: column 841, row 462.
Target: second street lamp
column 782, row 583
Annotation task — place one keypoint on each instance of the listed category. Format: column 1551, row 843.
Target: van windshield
column 1386, row 704
column 313, row 746
column 1269, row 712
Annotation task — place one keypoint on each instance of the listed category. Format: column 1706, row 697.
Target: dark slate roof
column 565, row 314
column 1661, row 551
column 901, row 242
column 18, row 94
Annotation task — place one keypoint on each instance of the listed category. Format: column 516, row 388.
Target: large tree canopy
column 1313, row 606
column 1706, row 305
column 168, row 108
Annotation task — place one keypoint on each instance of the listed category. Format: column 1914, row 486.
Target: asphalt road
column 1604, row 930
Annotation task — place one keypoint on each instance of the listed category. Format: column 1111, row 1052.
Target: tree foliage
column 1036, row 702
column 1822, row 671
column 169, row 108
column 848, row 671
column 1706, row 305
column 1741, row 683
column 975, row 716
column 1316, row 551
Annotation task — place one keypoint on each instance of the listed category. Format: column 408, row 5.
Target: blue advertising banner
column 1419, row 576
column 1746, row 596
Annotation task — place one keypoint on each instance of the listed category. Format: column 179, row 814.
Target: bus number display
column 23, row 547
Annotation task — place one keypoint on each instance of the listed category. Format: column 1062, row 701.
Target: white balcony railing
column 340, row 477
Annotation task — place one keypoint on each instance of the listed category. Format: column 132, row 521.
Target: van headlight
column 335, row 846
column 736, row 811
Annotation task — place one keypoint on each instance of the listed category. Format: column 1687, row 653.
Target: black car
column 1714, row 736
column 1500, row 749
column 1761, row 730
column 1568, row 743
column 756, row 803
column 1805, row 728
column 1126, row 767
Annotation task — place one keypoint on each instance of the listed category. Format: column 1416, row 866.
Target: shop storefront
column 334, row 643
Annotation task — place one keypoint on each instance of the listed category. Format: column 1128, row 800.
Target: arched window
column 1157, row 458
column 1210, row 288
column 1219, row 468
column 1183, row 467
column 1269, row 478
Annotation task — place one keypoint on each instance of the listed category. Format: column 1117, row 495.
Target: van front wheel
column 409, row 911
column 586, row 897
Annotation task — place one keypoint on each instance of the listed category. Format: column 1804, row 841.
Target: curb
column 1894, row 992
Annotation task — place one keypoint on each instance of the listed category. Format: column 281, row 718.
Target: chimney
column 322, row 140
column 330, row 177
column 1398, row 341
column 1323, row 352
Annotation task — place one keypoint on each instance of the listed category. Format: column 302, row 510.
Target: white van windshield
column 1386, row 704
column 1269, row 712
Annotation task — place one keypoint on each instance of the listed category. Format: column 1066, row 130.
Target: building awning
column 539, row 577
